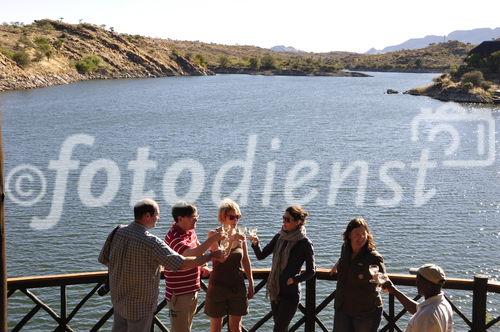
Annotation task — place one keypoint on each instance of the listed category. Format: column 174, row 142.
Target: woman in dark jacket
column 358, row 305
column 290, row 249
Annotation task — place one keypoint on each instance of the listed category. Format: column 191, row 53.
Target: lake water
column 267, row 141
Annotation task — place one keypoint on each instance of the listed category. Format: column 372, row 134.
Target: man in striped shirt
column 182, row 286
column 134, row 256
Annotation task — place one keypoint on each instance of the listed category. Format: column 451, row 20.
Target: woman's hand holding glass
column 378, row 278
column 252, row 235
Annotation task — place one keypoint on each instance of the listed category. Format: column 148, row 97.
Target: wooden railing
column 309, row 312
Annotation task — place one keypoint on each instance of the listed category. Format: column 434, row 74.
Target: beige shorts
column 222, row 301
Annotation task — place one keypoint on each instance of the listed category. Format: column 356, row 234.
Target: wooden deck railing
column 309, row 312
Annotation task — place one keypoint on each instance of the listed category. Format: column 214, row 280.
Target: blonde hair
column 227, row 205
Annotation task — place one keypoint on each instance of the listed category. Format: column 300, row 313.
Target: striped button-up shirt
column 134, row 258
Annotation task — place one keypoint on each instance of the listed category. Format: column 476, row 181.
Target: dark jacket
column 355, row 294
column 303, row 251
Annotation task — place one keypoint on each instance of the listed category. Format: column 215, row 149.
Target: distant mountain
column 373, row 51
column 285, row 49
column 475, row 36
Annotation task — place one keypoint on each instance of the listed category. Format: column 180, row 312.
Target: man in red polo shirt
column 181, row 287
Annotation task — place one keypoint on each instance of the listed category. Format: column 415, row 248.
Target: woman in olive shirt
column 290, row 249
column 358, row 305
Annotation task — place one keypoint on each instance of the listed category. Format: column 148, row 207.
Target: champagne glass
column 374, row 272
column 242, row 230
column 224, row 244
column 252, row 232
column 382, row 278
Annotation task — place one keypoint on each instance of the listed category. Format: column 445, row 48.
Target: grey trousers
column 121, row 324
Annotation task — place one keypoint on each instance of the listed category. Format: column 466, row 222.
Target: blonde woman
column 227, row 294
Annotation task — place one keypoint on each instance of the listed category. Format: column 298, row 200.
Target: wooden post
column 391, row 313
column 3, row 263
column 479, row 294
column 310, row 304
column 64, row 309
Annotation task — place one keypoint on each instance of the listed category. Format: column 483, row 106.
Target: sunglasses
column 287, row 220
column 234, row 217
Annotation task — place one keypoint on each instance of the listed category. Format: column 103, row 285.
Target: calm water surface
column 283, row 136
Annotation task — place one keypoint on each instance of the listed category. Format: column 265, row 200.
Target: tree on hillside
column 494, row 62
column 254, row 63
column 267, row 62
column 224, row 61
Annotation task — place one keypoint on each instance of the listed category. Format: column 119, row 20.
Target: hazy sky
column 313, row 25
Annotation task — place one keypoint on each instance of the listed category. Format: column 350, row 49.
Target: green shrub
column 467, row 85
column 7, row 52
column 58, row 43
column 494, row 62
column 24, row 42
column 21, row 58
column 475, row 77
column 200, row 60
column 486, row 85
column 89, row 64
column 43, row 47
column 474, row 61
column 254, row 63
column 267, row 62
column 453, row 69
column 45, row 25
column 224, row 61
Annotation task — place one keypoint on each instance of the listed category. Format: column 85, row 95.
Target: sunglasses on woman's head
column 287, row 220
column 234, row 217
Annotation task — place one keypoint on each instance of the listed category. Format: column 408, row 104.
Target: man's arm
column 202, row 248
column 104, row 255
column 408, row 303
column 191, row 262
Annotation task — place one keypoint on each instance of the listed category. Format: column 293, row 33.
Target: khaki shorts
column 181, row 311
column 222, row 301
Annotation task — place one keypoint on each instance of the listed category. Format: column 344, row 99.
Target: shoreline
column 28, row 82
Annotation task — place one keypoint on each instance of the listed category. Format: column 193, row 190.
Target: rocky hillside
column 50, row 52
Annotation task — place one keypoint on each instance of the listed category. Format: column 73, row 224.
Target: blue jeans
column 369, row 322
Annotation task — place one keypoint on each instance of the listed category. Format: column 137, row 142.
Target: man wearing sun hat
column 435, row 313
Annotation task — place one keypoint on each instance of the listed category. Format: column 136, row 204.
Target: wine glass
column 382, row 278
column 224, row 244
column 252, row 232
column 374, row 272
column 241, row 230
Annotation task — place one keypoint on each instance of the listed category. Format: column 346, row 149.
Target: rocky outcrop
column 392, row 92
column 122, row 57
column 454, row 93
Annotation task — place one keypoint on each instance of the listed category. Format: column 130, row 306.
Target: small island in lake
column 475, row 81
